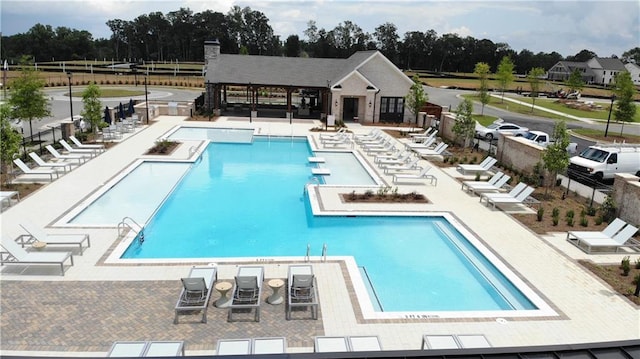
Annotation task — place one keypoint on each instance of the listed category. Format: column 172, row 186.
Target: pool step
column 321, row 171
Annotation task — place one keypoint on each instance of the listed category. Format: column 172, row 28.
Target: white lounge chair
column 427, row 143
column 122, row 349
column 36, row 234
column 496, row 176
column 413, row 165
column 302, row 291
column 81, row 159
column 519, row 199
column 233, row 347
column 416, row 176
column 618, row 241
column 164, row 349
column 438, row 150
column 472, row 341
column 486, row 187
column 331, row 344
column 416, row 137
column 399, row 160
column 6, row 196
column 275, row 345
column 512, row 193
column 333, row 135
column 364, row 343
column 83, row 152
column 146, row 349
column 53, row 165
column 439, row 341
column 98, row 147
column 14, row 254
column 483, row 167
column 196, row 291
column 247, row 292
column 614, row 227
column 34, row 171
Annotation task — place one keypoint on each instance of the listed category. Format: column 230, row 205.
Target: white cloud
column 605, row 27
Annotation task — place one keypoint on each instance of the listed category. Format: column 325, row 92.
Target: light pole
column 606, row 130
column 70, row 75
column 146, row 97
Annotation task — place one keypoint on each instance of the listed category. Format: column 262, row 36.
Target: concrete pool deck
column 95, row 303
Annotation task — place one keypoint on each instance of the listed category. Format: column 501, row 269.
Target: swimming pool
column 247, row 201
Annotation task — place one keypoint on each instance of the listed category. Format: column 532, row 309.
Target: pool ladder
column 307, row 256
column 129, row 223
column 313, row 180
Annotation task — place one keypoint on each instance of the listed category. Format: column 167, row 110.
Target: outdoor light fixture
column 69, row 75
column 606, row 130
column 336, row 104
column 146, row 98
column 369, row 103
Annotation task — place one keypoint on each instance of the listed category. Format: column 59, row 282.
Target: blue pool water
column 247, row 200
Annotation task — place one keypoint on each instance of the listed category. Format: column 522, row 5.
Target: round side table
column 275, row 285
column 39, row 245
column 223, row 288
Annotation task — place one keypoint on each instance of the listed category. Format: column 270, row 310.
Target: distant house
column 605, row 69
column 364, row 87
column 634, row 70
column 563, row 69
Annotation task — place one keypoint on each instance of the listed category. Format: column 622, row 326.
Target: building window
column 391, row 105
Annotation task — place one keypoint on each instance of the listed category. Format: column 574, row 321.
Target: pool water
column 248, row 200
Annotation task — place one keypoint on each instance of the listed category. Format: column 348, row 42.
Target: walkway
column 95, row 303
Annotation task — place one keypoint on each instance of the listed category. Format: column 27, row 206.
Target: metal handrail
column 306, row 257
column 324, row 252
column 138, row 230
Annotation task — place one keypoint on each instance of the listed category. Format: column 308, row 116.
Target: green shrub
column 584, row 221
column 555, row 220
column 625, row 265
column 570, row 214
column 570, row 221
column 637, row 263
column 555, row 212
column 599, row 220
column 540, row 214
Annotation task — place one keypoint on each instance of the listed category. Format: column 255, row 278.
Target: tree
column 535, row 81
column 10, row 139
column 27, row 100
column 386, row 36
column 555, row 157
column 575, row 82
column 632, row 55
column 624, row 91
column 582, row 56
column 92, row 111
column 292, row 46
column 465, row 126
column 416, row 98
column 482, row 70
column 505, row 74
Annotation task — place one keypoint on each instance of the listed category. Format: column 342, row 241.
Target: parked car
column 490, row 132
column 543, row 139
column 602, row 162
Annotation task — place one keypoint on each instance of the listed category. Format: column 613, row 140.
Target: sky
column 567, row 27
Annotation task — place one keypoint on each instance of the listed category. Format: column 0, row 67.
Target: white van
column 601, row 162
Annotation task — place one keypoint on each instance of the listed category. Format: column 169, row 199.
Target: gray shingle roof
column 608, row 63
column 284, row 71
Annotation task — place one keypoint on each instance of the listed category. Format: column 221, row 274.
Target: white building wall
column 389, row 79
column 634, row 70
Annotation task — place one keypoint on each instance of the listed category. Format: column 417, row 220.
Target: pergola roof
column 284, row 71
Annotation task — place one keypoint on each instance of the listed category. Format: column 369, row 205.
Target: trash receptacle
column 67, row 129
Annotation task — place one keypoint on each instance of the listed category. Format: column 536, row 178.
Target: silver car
column 490, row 132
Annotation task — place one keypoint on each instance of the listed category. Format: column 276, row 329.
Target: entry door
column 349, row 108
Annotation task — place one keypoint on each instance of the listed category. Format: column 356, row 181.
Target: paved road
column 451, row 98
column 61, row 108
